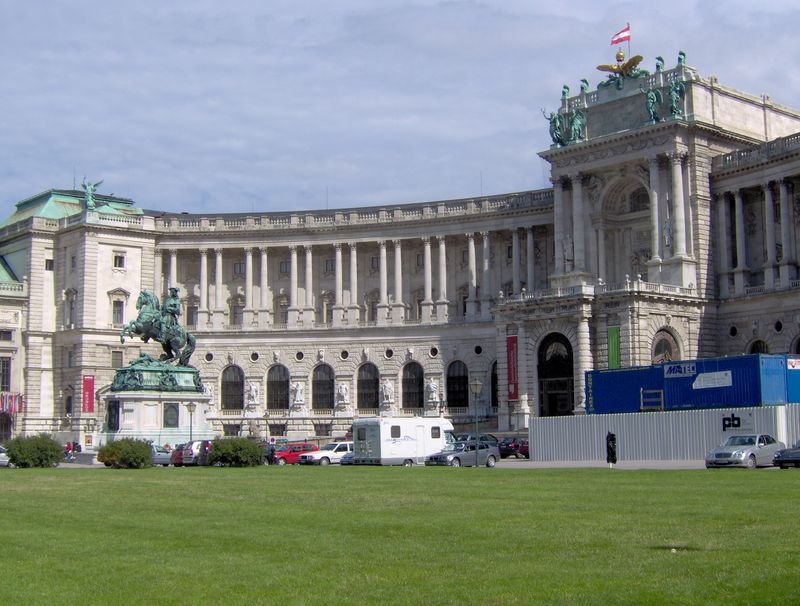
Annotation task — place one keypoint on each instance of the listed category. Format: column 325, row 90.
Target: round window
column 778, row 326
column 478, row 350
column 299, row 356
column 344, row 355
column 209, row 357
column 733, row 332
column 254, row 356
column 389, row 353
column 434, row 352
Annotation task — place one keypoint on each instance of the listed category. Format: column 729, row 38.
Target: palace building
column 669, row 232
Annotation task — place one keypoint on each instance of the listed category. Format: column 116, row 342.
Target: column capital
column 382, row 243
column 292, row 248
column 307, row 248
column 440, row 238
column 558, row 182
column 173, row 251
column 484, row 234
column 352, row 246
column 577, row 177
column 218, row 251
column 396, row 243
column 203, row 251
column 654, row 160
column 262, row 249
column 426, row 240
column 248, row 252
column 158, row 252
column 470, row 235
column 676, row 157
column 337, row 246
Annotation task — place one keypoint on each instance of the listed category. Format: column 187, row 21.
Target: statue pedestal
column 155, row 401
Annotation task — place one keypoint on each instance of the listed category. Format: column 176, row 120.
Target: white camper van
column 399, row 440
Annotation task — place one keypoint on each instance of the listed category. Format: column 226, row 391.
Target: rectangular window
column 72, row 262
column 6, row 335
column 395, row 431
column 119, row 261
column 113, row 415
column 116, row 358
column 464, row 256
column 330, row 266
column 171, row 412
column 361, row 433
column 510, row 252
column 238, row 268
column 191, row 315
column 48, row 265
column 613, row 347
column 237, row 315
column 374, row 263
column 285, row 267
column 436, row 432
column 420, row 259
column 118, row 312
column 70, row 358
column 5, row 374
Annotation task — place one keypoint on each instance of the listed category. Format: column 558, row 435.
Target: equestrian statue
column 160, row 323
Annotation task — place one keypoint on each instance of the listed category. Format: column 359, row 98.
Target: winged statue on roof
column 622, row 69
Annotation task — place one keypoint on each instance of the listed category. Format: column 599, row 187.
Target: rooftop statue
column 90, row 188
column 652, row 98
column 161, row 325
column 556, row 121
column 623, row 69
column 677, row 91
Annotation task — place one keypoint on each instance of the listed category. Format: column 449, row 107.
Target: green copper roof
column 6, row 273
column 58, row 204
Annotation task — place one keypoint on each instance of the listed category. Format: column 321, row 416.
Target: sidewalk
column 628, row 465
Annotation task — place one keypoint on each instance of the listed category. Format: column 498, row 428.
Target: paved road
column 525, row 464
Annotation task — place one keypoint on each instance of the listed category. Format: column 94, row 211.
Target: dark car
column 509, row 447
column 788, row 457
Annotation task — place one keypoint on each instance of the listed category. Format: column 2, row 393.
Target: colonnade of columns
column 743, row 244
column 481, row 286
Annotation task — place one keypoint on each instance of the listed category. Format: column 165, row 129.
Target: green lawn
column 332, row 536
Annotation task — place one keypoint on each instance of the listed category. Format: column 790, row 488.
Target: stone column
column 293, row 312
column 678, row 211
column 530, row 285
column 398, row 309
column 173, row 268
column 722, row 248
column 655, row 225
column 338, row 307
column 354, row 313
column 218, row 279
column 427, row 297
column 383, row 305
column 266, row 300
column 158, row 276
column 578, row 234
column 471, row 276
column 203, row 280
column 787, row 268
column 309, row 311
column 769, row 235
column 558, row 226
column 486, row 277
column 515, row 265
column 248, row 278
column 741, row 249
column 582, row 361
column 441, row 302
column 601, row 253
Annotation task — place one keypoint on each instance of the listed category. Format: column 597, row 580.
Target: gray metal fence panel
column 674, row 435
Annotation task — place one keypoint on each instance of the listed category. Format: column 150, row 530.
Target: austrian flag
column 622, row 35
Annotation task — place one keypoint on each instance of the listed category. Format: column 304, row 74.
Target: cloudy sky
column 245, row 105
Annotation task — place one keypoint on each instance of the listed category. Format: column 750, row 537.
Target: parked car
column 328, row 454
column 289, row 454
column 176, row 456
column 4, row 462
column 788, row 457
column 349, row 458
column 524, row 449
column 161, row 456
column 484, row 437
column 196, row 453
column 744, row 450
column 509, row 447
column 463, row 455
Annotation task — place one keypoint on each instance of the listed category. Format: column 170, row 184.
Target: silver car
column 746, row 450
column 464, row 454
column 4, row 462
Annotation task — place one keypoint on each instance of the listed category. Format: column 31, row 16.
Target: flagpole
column 628, row 25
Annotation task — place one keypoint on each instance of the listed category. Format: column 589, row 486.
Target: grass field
column 334, row 536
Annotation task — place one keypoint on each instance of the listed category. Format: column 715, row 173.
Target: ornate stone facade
column 660, row 239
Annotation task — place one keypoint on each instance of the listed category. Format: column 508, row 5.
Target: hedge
column 236, row 452
column 34, row 451
column 126, row 453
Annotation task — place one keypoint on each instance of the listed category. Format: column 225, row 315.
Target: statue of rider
column 169, row 315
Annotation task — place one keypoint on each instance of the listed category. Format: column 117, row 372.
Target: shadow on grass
column 676, row 548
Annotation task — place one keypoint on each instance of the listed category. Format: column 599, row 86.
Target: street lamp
column 475, row 387
column 190, row 407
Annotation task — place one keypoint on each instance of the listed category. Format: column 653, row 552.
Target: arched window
column 368, row 385
column 232, row 388
column 413, row 386
column 665, row 347
column 278, row 387
column 322, row 386
column 759, row 347
column 457, row 385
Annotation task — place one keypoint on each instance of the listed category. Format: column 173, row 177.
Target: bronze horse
column 177, row 343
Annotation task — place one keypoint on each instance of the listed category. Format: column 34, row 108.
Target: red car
column 289, row 454
column 524, row 450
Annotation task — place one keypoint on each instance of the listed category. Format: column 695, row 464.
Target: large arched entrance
column 413, row 386
column 665, row 347
column 555, row 376
column 232, row 388
column 322, row 385
column 457, row 385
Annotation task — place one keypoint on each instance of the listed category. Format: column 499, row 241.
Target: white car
column 748, row 450
column 4, row 462
column 328, row 454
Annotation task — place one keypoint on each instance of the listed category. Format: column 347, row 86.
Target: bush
column 236, row 452
column 126, row 453
column 34, row 451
